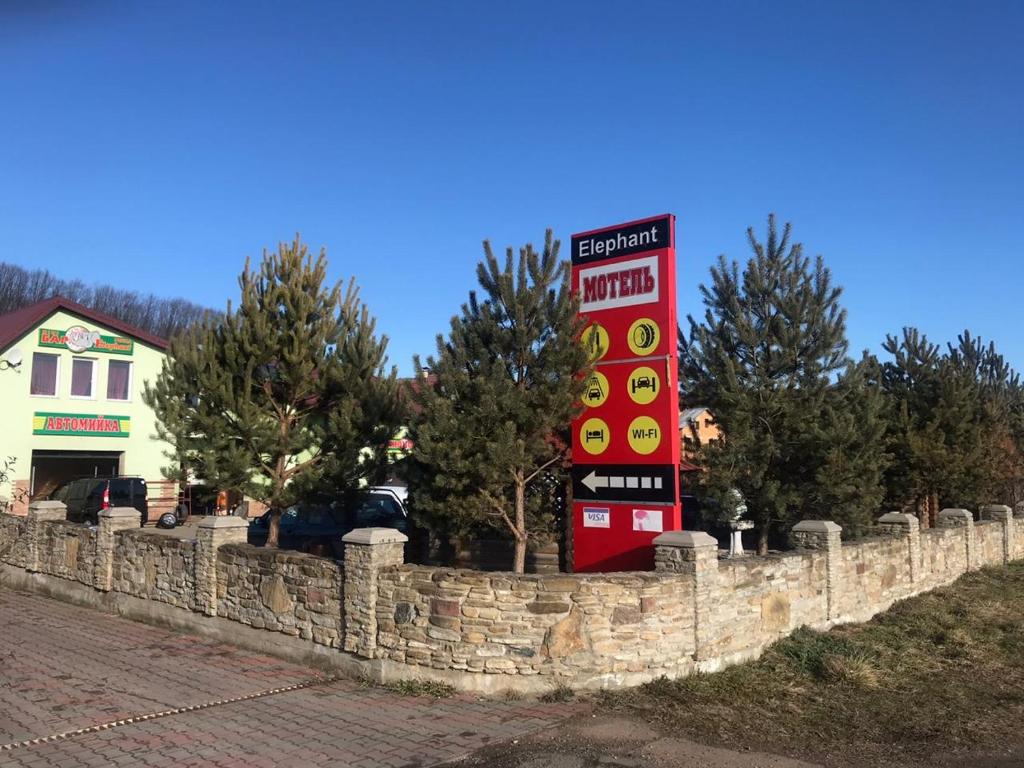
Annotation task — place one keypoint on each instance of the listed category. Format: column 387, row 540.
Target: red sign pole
column 625, row 447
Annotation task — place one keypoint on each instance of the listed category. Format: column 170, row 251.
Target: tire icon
column 643, row 335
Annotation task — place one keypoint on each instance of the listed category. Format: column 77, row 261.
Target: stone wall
column 768, row 598
column 13, row 541
column 989, row 536
column 155, row 567
column 594, row 627
column 68, row 551
column 943, row 556
column 297, row 594
column 873, row 574
column 488, row 631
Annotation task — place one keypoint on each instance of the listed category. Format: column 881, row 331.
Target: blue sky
column 156, row 145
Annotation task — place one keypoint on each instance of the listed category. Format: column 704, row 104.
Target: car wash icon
column 595, row 390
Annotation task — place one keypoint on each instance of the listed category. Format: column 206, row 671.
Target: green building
column 71, row 383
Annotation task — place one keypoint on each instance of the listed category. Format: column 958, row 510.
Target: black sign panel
column 652, row 483
column 651, row 235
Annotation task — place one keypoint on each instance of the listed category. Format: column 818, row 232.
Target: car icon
column 644, row 382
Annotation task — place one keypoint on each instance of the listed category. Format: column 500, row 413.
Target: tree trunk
column 762, row 540
column 519, row 564
column 273, row 528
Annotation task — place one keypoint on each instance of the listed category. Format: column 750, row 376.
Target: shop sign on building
column 625, row 448
column 78, row 338
column 80, row 424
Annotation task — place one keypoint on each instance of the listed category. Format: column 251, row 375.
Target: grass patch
column 936, row 675
column 558, row 694
column 420, row 688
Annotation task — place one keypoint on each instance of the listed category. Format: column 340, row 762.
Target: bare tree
column 21, row 287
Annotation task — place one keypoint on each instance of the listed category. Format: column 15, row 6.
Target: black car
column 87, row 496
column 318, row 528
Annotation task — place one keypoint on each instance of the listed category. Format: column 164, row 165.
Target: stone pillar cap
column 47, row 504
column 223, row 521
column 997, row 511
column 956, row 513
column 685, row 539
column 901, row 518
column 375, row 536
column 817, row 526
column 120, row 513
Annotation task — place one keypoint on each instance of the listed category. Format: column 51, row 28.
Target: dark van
column 86, row 496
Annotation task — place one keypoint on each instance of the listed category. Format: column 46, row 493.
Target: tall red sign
column 625, row 448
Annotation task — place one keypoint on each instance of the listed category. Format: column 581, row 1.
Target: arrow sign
column 643, row 481
column 649, row 483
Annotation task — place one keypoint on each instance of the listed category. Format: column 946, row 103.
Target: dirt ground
column 591, row 740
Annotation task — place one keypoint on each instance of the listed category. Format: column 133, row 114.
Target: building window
column 119, row 380
column 83, row 377
column 44, row 374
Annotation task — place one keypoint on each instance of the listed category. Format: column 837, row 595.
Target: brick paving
column 63, row 668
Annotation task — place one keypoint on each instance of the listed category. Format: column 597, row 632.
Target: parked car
column 318, row 528
column 86, row 496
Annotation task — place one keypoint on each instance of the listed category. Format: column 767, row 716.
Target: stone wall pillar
column 962, row 518
column 826, row 536
column 211, row 534
column 367, row 550
column 110, row 522
column 907, row 526
column 693, row 552
column 40, row 513
column 1003, row 514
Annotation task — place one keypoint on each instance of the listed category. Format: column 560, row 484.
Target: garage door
column 51, row 469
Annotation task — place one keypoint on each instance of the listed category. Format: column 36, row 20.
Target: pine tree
column 494, row 412
column 280, row 397
column 954, row 424
column 799, row 420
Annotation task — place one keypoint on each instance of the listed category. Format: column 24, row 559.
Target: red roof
column 16, row 324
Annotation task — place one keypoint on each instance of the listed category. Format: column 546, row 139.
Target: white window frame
column 95, row 377
column 56, row 382
column 131, row 380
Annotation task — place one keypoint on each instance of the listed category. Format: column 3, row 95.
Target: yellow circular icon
column 595, row 338
column 644, row 336
column 644, row 435
column 595, row 436
column 643, row 385
column 595, row 390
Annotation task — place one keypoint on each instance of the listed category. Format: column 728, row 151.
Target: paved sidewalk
column 63, row 668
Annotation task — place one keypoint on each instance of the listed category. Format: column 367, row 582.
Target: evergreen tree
column 954, row 424
column 279, row 397
column 800, row 422
column 495, row 410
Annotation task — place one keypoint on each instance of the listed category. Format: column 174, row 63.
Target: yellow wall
column 698, row 432
column 143, row 455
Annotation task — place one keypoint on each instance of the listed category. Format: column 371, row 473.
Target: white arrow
column 593, row 481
